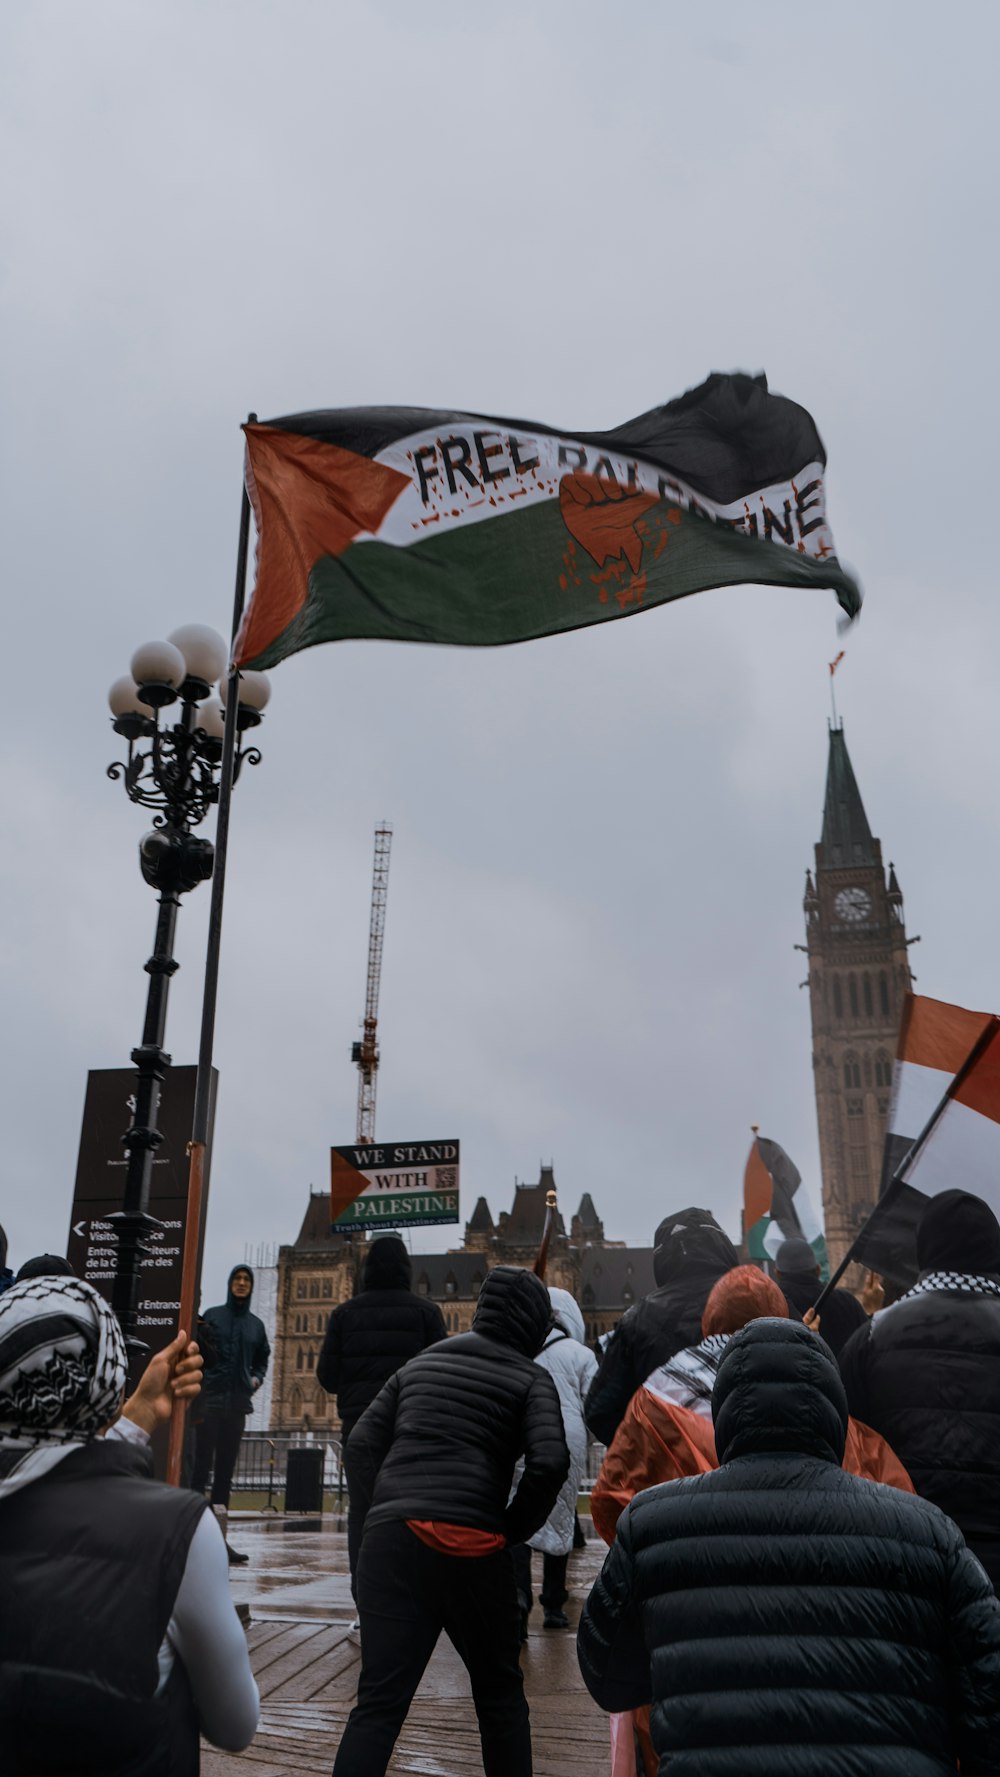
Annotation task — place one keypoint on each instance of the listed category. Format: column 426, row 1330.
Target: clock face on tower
column 852, row 905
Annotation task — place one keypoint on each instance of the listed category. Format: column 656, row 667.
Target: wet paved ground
column 306, row 1663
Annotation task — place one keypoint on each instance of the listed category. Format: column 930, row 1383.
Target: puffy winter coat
column 926, row 1374
column 667, row 1432
column 91, row 1559
column 690, row 1254
column 240, row 1351
column 842, row 1313
column 572, row 1366
column 441, row 1439
column 372, row 1335
column 787, row 1619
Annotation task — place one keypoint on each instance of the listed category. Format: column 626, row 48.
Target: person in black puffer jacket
column 784, row 1618
column 367, row 1340
column 690, row 1254
column 926, row 1372
column 431, row 1463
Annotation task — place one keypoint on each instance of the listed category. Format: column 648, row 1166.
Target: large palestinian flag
column 948, row 1067
column 407, row 524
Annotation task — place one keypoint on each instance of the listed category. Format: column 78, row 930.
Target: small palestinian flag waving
column 777, row 1206
column 406, row 524
column 936, row 1042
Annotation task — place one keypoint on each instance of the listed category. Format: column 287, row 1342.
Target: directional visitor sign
column 394, row 1183
column 92, row 1248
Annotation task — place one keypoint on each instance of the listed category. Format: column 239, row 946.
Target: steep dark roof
column 588, row 1215
column 609, row 1273
column 480, row 1221
column 315, row 1230
column 526, row 1220
column 847, row 837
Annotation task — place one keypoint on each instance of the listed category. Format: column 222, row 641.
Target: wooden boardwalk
column 307, row 1666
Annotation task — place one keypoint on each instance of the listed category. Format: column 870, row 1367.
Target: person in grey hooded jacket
column 572, row 1366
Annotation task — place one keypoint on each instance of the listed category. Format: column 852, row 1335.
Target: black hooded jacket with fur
column 786, row 1619
column 442, row 1439
column 690, row 1254
column 369, row 1337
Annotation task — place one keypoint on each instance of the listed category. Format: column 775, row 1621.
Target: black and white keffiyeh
column 63, row 1370
column 969, row 1282
column 688, row 1378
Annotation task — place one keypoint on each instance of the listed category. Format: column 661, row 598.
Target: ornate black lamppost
column 173, row 768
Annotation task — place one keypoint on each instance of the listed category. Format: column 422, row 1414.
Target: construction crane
column 365, row 1054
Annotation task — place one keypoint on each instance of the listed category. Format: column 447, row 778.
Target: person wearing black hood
column 926, row 1372
column 785, row 1618
column 798, row 1277
column 690, row 1254
column 431, row 1464
column 367, row 1339
column 240, row 1353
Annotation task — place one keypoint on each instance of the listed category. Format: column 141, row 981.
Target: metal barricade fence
column 595, row 1456
column 263, row 1462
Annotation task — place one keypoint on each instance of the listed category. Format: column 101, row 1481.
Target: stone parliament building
column 858, row 975
column 321, row 1269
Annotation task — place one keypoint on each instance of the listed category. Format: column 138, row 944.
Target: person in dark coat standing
column 784, row 1618
column 797, row 1275
column 367, row 1340
column 431, row 1462
column 240, row 1351
column 926, row 1372
column 690, row 1254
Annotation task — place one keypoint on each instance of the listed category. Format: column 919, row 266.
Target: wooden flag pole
column 898, row 1178
column 550, row 1219
column 198, row 1145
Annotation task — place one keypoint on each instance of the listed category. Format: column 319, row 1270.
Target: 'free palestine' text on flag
column 406, row 524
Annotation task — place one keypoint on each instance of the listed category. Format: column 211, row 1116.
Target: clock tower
column 858, row 974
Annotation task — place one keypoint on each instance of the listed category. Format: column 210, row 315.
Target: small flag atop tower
column 833, row 700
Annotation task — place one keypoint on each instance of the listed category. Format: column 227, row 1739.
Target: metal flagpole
column 898, row 1178
column 198, row 1145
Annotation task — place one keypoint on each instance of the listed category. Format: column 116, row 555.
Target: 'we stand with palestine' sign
column 392, row 1183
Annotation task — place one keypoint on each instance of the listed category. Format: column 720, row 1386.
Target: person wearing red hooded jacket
column 667, row 1432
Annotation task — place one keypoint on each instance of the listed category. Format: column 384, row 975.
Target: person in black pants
column 431, row 1464
column 240, row 1353
column 367, row 1339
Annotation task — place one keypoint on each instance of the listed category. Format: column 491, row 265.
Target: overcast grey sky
column 600, row 839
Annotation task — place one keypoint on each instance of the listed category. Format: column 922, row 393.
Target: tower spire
column 847, row 837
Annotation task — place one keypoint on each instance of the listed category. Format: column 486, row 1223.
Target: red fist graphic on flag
column 602, row 517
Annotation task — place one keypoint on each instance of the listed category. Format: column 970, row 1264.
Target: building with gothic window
column 858, row 976
column 323, row 1268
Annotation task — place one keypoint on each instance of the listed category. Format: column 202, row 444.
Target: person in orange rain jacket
column 667, row 1432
